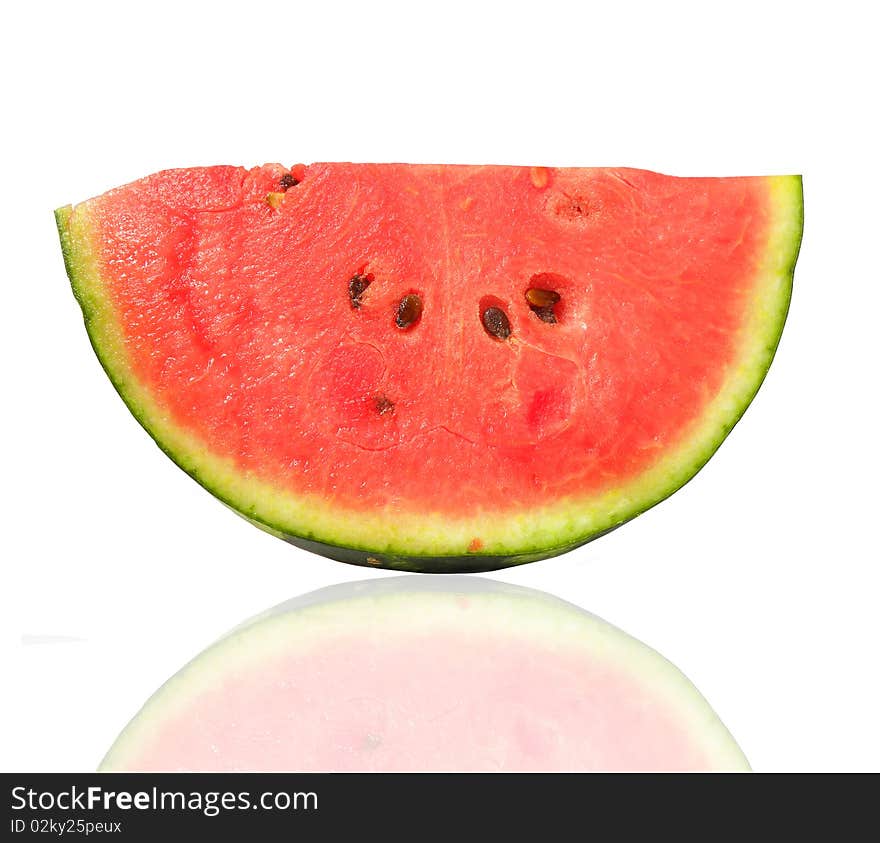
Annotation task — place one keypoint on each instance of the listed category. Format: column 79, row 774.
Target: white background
column 760, row 579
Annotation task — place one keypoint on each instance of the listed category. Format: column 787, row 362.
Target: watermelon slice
column 436, row 368
column 411, row 674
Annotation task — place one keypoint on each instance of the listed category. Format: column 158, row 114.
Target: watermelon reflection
column 426, row 673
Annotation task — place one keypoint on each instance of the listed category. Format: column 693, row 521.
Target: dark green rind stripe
column 469, row 564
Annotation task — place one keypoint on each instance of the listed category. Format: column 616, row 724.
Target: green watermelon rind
column 412, row 606
column 436, row 543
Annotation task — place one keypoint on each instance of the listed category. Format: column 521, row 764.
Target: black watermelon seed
column 496, row 323
column 287, row 181
column 542, row 303
column 541, row 298
column 409, row 311
column 384, row 405
column 357, row 286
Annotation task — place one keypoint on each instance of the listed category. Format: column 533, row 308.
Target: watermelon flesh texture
column 251, row 321
column 393, row 675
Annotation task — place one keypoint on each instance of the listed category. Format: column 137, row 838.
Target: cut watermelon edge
column 433, row 542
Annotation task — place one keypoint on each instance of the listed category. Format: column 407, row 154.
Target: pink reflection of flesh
column 365, row 703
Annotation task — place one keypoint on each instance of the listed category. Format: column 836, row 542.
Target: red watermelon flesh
column 396, row 675
column 251, row 320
